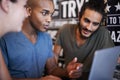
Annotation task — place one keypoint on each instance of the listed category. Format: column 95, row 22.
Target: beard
column 85, row 29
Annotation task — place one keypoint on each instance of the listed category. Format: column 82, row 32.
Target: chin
column 43, row 30
column 19, row 29
column 15, row 29
column 85, row 36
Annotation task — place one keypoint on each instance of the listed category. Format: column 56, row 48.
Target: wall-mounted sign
column 113, row 20
column 66, row 9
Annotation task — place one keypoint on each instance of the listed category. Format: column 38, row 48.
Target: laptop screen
column 104, row 63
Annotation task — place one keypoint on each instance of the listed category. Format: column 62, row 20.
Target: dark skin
column 39, row 20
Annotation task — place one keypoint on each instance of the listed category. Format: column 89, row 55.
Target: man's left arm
column 73, row 69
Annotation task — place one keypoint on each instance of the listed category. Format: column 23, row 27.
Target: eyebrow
column 96, row 23
column 90, row 21
column 46, row 10
column 87, row 19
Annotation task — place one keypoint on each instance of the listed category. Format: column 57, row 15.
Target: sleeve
column 107, row 41
column 4, row 50
column 60, row 34
column 58, row 39
column 50, row 46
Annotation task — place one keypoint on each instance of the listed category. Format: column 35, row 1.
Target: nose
column 49, row 18
column 89, row 26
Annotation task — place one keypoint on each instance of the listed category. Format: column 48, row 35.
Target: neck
column 29, row 31
column 79, row 39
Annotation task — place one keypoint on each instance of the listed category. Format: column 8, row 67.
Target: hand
column 74, row 69
column 118, row 60
column 50, row 77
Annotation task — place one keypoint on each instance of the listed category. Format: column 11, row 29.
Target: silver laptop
column 104, row 63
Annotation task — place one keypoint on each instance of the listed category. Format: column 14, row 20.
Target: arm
column 49, row 77
column 4, row 74
column 53, row 69
column 73, row 70
column 57, row 50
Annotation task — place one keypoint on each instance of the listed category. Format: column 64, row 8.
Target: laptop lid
column 104, row 63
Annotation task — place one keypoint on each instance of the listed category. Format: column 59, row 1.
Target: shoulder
column 44, row 38
column 103, row 30
column 44, row 35
column 10, row 39
column 11, row 35
column 67, row 27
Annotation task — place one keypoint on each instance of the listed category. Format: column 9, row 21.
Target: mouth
column 46, row 26
column 85, row 31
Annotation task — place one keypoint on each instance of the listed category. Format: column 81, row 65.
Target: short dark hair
column 96, row 5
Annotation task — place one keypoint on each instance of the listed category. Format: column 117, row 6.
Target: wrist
column 66, row 73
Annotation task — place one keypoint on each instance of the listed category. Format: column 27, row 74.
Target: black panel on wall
column 113, row 20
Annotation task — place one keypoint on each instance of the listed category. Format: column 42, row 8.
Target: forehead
column 92, row 15
column 45, row 4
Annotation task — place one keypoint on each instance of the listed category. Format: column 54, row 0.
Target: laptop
column 104, row 64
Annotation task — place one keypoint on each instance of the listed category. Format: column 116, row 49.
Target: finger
column 75, row 60
column 76, row 71
column 75, row 74
column 70, row 73
column 79, row 71
column 79, row 66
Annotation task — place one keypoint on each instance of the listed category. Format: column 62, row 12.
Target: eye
column 87, row 20
column 95, row 24
column 44, row 13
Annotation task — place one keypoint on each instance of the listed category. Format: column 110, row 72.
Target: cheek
column 38, row 21
column 95, row 28
column 19, row 15
column 36, row 18
column 83, row 24
column 18, row 19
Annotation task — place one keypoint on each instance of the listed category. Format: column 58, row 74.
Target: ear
column 29, row 10
column 5, row 5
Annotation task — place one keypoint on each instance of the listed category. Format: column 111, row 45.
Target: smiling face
column 89, row 23
column 40, row 15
